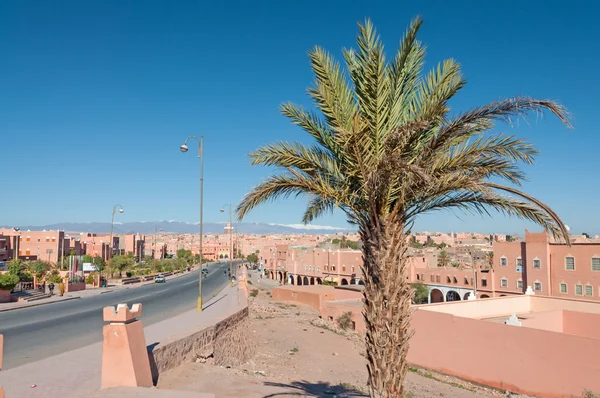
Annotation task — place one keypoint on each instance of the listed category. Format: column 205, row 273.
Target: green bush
column 8, row 281
column 129, row 274
column 254, row 293
column 329, row 283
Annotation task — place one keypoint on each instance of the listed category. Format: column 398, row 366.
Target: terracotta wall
column 581, row 324
column 332, row 310
column 487, row 308
column 305, row 297
column 503, row 356
column 549, row 320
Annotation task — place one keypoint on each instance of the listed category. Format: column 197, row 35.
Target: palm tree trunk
column 387, row 297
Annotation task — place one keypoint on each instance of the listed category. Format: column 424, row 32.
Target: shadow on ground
column 319, row 389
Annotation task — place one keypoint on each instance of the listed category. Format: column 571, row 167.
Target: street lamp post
column 154, row 247
column 230, row 244
column 184, row 148
column 110, row 243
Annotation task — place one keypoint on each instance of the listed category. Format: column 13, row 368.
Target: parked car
column 160, row 279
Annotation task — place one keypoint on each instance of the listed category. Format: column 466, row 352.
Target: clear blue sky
column 97, row 96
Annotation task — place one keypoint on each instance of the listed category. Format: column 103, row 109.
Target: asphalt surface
column 35, row 333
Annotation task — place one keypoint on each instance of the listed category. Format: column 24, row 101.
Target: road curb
column 38, row 304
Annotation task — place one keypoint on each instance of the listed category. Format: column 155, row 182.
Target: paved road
column 31, row 334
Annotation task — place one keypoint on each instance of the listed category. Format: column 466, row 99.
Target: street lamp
column 184, row 148
column 154, row 246
column 230, row 244
column 110, row 243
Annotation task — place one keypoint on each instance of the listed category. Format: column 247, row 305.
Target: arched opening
column 467, row 295
column 484, row 296
column 452, row 296
column 280, row 276
column 312, row 280
column 319, row 281
column 290, row 279
column 448, row 280
column 503, row 295
column 305, row 281
column 437, row 296
column 344, row 282
column 454, row 280
column 272, row 275
column 418, row 277
column 299, row 280
column 361, row 282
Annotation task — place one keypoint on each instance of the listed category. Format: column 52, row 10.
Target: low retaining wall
column 227, row 342
column 5, row 296
column 74, row 287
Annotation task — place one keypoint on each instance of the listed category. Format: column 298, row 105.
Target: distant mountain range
column 185, row 228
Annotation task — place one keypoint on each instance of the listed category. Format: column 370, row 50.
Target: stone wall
column 231, row 344
column 227, row 342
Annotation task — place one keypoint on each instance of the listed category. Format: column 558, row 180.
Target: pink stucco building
column 550, row 268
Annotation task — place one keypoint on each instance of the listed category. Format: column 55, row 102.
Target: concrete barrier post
column 1, row 356
column 124, row 355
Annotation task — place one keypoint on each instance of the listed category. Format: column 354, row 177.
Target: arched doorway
column 305, row 281
column 361, row 282
column 272, row 275
column 467, row 295
column 312, row 280
column 484, row 296
column 344, row 282
column 452, row 296
column 299, row 280
column 280, row 276
column 290, row 279
column 418, row 277
column 319, row 281
column 437, row 296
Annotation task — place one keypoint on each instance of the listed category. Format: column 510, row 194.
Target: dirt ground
column 301, row 355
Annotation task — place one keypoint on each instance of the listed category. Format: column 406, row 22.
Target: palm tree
column 489, row 257
column 443, row 259
column 387, row 150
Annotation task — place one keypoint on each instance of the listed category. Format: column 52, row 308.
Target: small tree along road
column 386, row 151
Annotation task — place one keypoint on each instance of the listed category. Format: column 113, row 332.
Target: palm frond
column 312, row 159
column 317, row 206
column 331, row 92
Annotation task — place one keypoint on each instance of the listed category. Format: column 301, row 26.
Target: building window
column 563, row 287
column 484, row 282
column 537, row 286
column 579, row 290
column 437, row 278
column 503, row 282
column 520, row 284
column 503, row 261
column 343, row 268
column 28, row 239
column 318, row 269
column 432, row 278
column 47, row 239
column 570, row 263
column 519, row 262
column 448, row 279
column 537, row 263
column 595, row 263
column 466, row 281
column 588, row 290
column 454, row 280
column 333, row 267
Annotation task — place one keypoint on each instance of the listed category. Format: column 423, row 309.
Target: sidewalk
column 77, row 373
column 80, row 294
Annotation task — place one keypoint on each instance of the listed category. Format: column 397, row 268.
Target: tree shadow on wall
column 318, row 389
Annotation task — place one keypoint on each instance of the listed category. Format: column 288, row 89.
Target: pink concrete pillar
column 1, row 356
column 124, row 356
